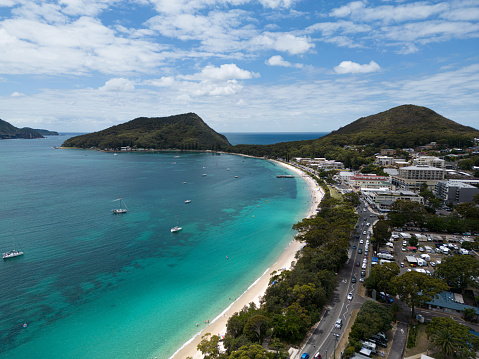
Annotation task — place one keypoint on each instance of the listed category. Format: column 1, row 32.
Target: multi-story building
column 455, row 191
column 429, row 161
column 388, row 152
column 411, row 178
column 360, row 181
column 382, row 199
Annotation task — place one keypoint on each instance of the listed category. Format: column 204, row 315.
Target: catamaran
column 120, row 210
column 176, row 228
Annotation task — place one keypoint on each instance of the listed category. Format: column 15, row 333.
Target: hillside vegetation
column 184, row 132
column 400, row 127
column 8, row 131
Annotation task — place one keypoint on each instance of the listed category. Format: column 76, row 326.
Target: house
column 449, row 302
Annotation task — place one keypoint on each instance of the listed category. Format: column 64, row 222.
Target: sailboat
column 120, row 210
column 176, row 228
column 13, row 253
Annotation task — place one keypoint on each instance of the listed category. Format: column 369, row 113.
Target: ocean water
column 245, row 138
column 97, row 285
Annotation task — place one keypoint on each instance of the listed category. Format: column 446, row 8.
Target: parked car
column 402, row 264
column 353, row 280
column 432, row 263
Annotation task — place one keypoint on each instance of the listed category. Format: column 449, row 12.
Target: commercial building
column 413, row 177
column 383, row 198
column 429, row 161
column 362, row 181
column 455, row 191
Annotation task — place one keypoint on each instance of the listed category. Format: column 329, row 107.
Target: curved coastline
column 254, row 292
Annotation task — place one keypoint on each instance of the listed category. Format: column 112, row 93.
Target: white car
column 350, row 296
column 361, row 241
column 364, row 233
column 364, row 266
column 404, row 243
column 403, row 249
column 432, row 263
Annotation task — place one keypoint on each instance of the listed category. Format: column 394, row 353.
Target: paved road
column 325, row 336
column 399, row 343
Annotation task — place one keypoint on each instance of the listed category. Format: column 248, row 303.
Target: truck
column 421, row 262
column 370, row 346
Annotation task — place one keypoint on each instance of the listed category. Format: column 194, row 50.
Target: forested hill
column 404, row 126
column 184, row 132
column 8, row 131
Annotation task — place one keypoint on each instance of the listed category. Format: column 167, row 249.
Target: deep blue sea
column 244, row 138
column 93, row 284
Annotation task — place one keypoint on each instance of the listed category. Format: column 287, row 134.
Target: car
column 363, row 273
column 360, row 251
column 317, row 356
column 404, row 243
column 368, row 224
column 305, row 356
column 364, row 266
column 361, row 279
column 432, row 263
column 402, row 264
column 403, row 249
column 357, row 236
column 364, row 233
column 339, row 323
column 364, row 209
column 438, row 261
column 409, row 270
column 353, row 280
column 350, row 296
column 361, row 241
column 357, row 263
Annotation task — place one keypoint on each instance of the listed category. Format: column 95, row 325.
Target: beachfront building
column 429, row 161
column 455, row 191
column 383, row 198
column 361, row 181
column 320, row 163
column 411, row 178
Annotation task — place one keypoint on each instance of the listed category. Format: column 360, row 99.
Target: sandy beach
column 255, row 291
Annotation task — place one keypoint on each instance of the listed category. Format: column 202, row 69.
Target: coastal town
column 412, row 267
column 444, row 179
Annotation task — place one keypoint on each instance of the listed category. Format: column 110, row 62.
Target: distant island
column 181, row 132
column 8, row 131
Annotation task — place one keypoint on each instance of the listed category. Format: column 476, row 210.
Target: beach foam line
column 221, row 315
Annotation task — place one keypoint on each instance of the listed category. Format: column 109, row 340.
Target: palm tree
column 444, row 340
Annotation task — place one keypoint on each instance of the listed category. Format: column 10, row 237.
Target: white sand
column 255, row 291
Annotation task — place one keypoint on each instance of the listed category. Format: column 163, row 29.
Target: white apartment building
column 360, row 181
column 411, row 178
column 429, row 161
column 382, row 199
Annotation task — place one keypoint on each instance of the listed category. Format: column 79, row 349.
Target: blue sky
column 241, row 65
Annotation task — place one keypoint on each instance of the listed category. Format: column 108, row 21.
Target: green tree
column 256, row 327
column 209, row 346
column 416, row 288
column 458, row 271
column 381, row 277
column 470, row 314
column 413, row 242
column 381, row 232
column 403, row 212
column 373, row 317
column 293, row 324
column 352, row 198
column 252, row 351
column 451, row 338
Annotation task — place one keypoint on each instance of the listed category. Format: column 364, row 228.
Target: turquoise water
column 259, row 138
column 97, row 285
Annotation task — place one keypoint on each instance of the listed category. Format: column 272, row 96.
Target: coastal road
column 325, row 337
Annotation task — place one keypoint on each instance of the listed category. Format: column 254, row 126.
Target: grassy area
column 421, row 343
column 334, row 193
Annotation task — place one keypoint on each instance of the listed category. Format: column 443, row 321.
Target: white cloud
column 349, row 67
column 283, row 42
column 222, row 73
column 17, row 94
column 118, row 84
column 165, row 81
column 277, row 3
column 278, row 60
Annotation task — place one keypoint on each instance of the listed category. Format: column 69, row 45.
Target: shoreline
column 257, row 289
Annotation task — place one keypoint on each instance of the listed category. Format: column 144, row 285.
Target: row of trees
column 294, row 299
